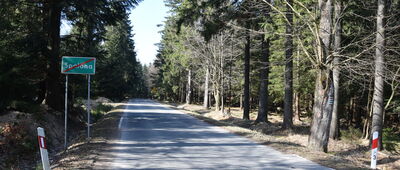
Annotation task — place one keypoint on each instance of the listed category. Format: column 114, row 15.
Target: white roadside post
column 43, row 149
column 374, row 152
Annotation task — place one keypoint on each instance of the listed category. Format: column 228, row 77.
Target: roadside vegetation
column 330, row 64
column 18, row 132
column 318, row 76
column 31, row 83
column 351, row 152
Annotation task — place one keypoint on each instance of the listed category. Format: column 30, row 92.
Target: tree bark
column 241, row 102
column 296, row 107
column 264, row 76
column 324, row 89
column 246, row 86
column 206, row 83
column 334, row 129
column 222, row 77
column 217, row 98
column 52, row 23
column 189, row 87
column 182, row 97
column 296, row 93
column 323, row 101
column 377, row 116
column 288, row 100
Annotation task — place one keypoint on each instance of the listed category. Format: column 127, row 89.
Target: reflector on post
column 43, row 149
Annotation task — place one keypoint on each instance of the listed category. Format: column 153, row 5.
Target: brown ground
column 83, row 154
column 342, row 154
column 18, row 137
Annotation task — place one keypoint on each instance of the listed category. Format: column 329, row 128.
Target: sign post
column 66, row 111
column 374, row 152
column 88, row 109
column 77, row 65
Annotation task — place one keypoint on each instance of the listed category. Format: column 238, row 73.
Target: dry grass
column 83, row 154
column 342, row 154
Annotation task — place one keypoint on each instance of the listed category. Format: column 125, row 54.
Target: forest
column 31, row 48
column 333, row 61
column 31, row 83
column 330, row 64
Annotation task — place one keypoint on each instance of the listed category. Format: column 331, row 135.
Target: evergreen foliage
column 30, row 50
column 313, row 54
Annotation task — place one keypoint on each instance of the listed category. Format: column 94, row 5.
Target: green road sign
column 78, row 65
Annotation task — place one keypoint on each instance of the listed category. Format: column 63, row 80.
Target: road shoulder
column 83, row 154
column 279, row 140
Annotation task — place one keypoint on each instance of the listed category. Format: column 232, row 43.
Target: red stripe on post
column 375, row 143
column 42, row 142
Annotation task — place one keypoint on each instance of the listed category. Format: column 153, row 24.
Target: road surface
column 154, row 136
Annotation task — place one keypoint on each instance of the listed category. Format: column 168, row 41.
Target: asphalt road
column 154, row 136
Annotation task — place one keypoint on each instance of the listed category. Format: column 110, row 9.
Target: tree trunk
column 52, row 23
column 368, row 114
column 189, row 87
column 263, row 92
column 246, row 86
column 182, row 97
column 288, row 100
column 230, row 85
column 222, row 79
column 324, row 90
column 217, row 98
column 297, row 94
column 241, row 102
column 206, row 102
column 377, row 116
column 334, row 129
column 323, row 101
column 296, row 107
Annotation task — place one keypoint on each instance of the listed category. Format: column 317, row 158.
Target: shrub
column 352, row 134
column 391, row 140
column 100, row 110
column 18, row 142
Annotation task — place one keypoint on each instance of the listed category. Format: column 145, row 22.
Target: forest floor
column 18, row 134
column 343, row 154
column 83, row 153
column 351, row 153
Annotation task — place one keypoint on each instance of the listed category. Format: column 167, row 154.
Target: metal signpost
column 77, row 65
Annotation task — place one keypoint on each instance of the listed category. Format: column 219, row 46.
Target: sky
column 144, row 18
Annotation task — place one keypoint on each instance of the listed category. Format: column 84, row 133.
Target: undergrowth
column 100, row 110
column 17, row 136
column 353, row 135
column 391, row 140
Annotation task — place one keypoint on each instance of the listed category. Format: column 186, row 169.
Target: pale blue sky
column 144, row 19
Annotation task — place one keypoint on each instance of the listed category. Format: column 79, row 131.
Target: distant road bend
column 154, row 136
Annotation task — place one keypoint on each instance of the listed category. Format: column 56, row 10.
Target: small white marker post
column 43, row 149
column 374, row 152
